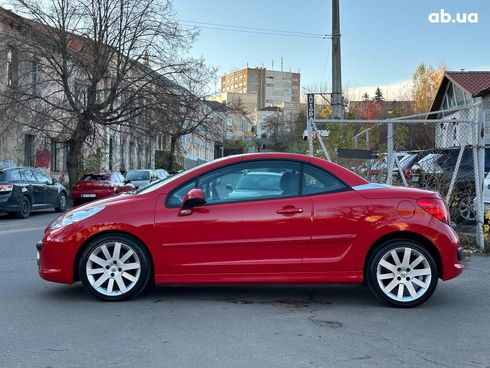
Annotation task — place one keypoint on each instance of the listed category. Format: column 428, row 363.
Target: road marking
column 22, row 230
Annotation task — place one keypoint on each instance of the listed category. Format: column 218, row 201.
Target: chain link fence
column 441, row 151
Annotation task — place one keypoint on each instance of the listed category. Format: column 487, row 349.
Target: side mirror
column 194, row 198
column 229, row 187
column 53, row 181
column 127, row 181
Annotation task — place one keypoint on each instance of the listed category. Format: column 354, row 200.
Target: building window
column 12, row 66
column 111, row 152
column 28, row 150
column 35, row 73
column 54, row 155
column 66, row 151
column 161, row 142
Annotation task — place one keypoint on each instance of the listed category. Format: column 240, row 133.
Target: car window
column 316, row 180
column 116, row 178
column 138, row 175
column 16, row 175
column 89, row 177
column 175, row 199
column 29, row 175
column 246, row 181
column 41, row 177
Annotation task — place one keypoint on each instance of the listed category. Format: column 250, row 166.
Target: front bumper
column 39, row 246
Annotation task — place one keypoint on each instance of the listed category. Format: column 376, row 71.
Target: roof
column 473, row 82
column 476, row 83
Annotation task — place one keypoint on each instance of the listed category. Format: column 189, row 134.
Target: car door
column 35, row 187
column 267, row 233
column 336, row 224
column 50, row 190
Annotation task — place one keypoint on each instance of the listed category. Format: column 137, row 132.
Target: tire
column 62, row 203
column 24, row 208
column 463, row 210
column 392, row 278
column 110, row 276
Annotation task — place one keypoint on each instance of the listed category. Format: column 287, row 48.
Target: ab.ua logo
column 443, row 17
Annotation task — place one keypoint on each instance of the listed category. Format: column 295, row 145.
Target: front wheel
column 115, row 268
column 402, row 273
column 62, row 203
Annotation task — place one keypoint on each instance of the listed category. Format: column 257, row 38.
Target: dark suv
column 435, row 171
column 23, row 189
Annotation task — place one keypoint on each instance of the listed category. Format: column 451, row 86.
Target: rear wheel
column 24, row 208
column 402, row 273
column 115, row 268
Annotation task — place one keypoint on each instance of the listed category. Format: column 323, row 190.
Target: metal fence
column 441, row 150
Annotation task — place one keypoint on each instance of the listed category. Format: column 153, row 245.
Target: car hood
column 109, row 201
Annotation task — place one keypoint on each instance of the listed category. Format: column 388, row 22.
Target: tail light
column 76, row 185
column 435, row 207
column 6, row 188
column 407, row 173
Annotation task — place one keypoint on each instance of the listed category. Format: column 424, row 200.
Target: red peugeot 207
column 259, row 218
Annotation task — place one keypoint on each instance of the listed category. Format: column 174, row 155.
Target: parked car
column 331, row 226
column 378, row 171
column 162, row 174
column 486, row 193
column 23, row 189
column 406, row 163
column 95, row 186
column 141, row 178
column 435, row 171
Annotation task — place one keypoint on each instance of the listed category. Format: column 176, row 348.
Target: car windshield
column 89, row 177
column 138, row 175
column 265, row 181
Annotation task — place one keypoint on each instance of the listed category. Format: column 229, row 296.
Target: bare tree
column 93, row 62
column 186, row 111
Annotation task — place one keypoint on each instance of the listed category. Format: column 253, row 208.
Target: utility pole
column 337, row 100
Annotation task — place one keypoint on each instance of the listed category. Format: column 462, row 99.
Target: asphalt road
column 49, row 325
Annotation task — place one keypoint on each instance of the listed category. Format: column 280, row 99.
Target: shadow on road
column 296, row 297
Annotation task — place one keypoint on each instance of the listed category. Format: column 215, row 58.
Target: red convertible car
column 263, row 218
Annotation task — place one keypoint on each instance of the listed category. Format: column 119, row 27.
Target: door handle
column 289, row 210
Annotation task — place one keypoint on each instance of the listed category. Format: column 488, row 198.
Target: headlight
column 75, row 217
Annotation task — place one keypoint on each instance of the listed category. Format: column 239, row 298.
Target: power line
column 245, row 29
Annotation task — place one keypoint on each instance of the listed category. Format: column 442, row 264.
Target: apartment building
column 271, row 87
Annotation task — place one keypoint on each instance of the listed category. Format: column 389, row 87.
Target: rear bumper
column 451, row 255
column 98, row 193
column 9, row 202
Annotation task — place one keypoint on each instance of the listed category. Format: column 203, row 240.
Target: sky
column 383, row 41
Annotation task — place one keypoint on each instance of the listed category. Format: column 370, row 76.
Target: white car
column 486, row 192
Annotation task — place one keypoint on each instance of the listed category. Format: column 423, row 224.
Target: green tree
column 378, row 95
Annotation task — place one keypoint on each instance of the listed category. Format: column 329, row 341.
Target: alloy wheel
column 113, row 268
column 404, row 274
column 467, row 209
